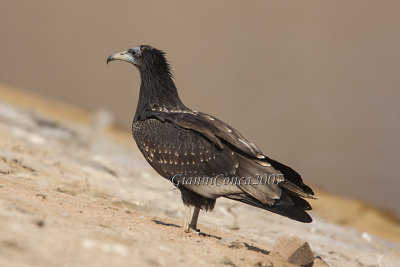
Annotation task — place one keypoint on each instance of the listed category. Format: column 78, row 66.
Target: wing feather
column 225, row 151
column 212, row 128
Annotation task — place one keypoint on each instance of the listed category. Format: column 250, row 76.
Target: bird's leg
column 186, row 218
column 195, row 217
column 193, row 222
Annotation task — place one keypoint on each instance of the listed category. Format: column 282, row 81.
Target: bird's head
column 142, row 56
column 157, row 88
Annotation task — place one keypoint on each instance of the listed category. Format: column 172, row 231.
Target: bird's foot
column 191, row 229
column 195, row 231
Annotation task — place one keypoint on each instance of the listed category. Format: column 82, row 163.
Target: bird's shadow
column 249, row 247
column 178, row 226
column 166, row 224
column 208, row 235
column 253, row 248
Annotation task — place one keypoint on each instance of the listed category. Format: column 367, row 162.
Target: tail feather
column 296, row 190
column 289, row 206
column 294, row 178
column 301, row 203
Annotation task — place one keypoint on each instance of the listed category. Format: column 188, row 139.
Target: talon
column 194, row 230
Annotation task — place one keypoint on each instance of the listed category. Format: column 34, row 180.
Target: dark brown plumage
column 183, row 145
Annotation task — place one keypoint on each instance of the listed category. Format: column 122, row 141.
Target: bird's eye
column 133, row 52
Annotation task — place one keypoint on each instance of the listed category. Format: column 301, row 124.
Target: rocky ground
column 75, row 192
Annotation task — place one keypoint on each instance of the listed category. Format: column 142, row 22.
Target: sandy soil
column 75, row 192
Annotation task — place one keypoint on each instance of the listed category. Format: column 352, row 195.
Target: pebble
column 293, row 250
column 5, row 168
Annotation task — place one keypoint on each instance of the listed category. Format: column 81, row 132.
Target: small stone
column 367, row 237
column 263, row 264
column 293, row 250
column 228, row 241
column 227, row 261
column 42, row 195
column 40, row 223
column 236, row 244
column 5, row 168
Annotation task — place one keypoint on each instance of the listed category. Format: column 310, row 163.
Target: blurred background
column 314, row 84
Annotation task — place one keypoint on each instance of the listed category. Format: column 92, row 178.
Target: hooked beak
column 124, row 56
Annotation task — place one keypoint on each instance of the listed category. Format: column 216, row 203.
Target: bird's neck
column 157, row 92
